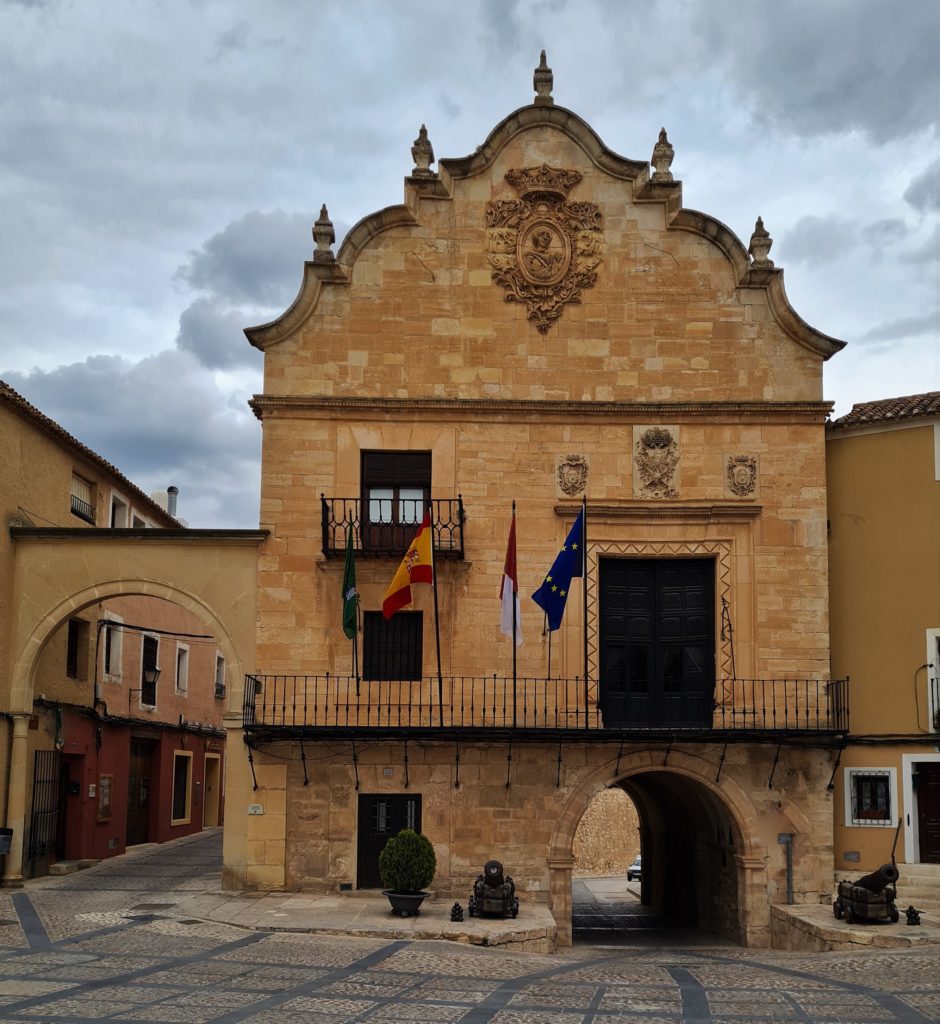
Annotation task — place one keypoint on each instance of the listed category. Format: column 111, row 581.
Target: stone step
column 68, row 867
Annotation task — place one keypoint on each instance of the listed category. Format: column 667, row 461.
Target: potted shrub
column 407, row 866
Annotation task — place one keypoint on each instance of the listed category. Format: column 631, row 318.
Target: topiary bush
column 407, row 864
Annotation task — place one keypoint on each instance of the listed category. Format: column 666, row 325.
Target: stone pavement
column 114, row 943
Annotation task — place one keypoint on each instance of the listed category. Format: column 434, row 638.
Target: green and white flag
column 350, row 594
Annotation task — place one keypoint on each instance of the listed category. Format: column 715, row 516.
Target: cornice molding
column 672, row 510
column 813, row 412
column 147, row 536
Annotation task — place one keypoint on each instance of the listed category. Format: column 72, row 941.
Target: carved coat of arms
column 656, row 455
column 742, row 475
column 572, row 474
column 543, row 249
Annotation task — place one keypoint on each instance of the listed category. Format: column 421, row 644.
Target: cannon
column 870, row 898
column 494, row 893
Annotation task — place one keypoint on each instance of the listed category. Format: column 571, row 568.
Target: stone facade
column 544, row 301
column 607, row 839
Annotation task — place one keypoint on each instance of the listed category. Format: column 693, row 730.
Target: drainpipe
column 786, row 839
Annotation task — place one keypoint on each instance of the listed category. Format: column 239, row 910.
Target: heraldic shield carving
column 543, row 249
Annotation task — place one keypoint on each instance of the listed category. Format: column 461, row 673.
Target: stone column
column 560, row 897
column 16, row 801
column 753, row 908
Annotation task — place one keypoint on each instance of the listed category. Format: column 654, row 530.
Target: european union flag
column 553, row 593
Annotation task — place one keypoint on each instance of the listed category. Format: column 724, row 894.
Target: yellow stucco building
column 883, row 462
column 544, row 322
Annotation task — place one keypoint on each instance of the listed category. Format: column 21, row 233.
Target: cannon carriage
column 494, row 893
column 871, row 898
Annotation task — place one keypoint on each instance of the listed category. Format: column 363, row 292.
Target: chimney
column 171, row 495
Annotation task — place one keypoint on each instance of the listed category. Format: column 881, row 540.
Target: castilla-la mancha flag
column 509, row 591
column 416, row 567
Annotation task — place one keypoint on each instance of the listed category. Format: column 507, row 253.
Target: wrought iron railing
column 933, row 710
column 390, row 538
column 330, row 702
column 82, row 509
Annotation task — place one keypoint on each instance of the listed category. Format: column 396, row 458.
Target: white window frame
column 848, row 789
column 118, row 501
column 933, row 673
column 182, row 678
column 117, row 648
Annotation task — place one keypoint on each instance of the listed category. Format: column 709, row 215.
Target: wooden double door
column 657, row 642
column 381, row 816
column 928, row 811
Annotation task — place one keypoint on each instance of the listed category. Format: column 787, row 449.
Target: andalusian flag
column 350, row 594
column 416, row 567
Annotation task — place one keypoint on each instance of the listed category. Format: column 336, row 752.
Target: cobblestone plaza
column 115, row 943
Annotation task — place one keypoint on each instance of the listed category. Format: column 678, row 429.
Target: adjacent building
column 124, row 743
column 543, row 322
column 883, row 467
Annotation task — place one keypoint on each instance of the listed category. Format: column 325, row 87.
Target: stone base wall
column 608, row 837
column 714, row 844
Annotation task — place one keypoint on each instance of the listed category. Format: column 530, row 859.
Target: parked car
column 635, row 870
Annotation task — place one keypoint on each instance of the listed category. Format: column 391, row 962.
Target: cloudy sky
column 162, row 162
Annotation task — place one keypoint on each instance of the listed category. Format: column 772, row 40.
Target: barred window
column 871, row 796
column 391, row 648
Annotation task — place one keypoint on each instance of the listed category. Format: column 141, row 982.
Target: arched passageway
column 703, row 859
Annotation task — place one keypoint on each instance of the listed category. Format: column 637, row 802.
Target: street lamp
column 149, row 677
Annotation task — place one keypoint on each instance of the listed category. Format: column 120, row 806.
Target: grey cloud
column 175, row 426
column 885, row 232
column 927, row 252
column 923, row 193
column 816, row 239
column 904, row 327
column 214, row 335
column 815, row 68
column 257, row 259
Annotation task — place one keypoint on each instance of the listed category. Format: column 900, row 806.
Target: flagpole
column 515, row 591
column 437, row 631
column 584, row 587
column 549, row 648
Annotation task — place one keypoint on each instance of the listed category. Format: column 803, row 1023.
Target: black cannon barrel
column 878, row 880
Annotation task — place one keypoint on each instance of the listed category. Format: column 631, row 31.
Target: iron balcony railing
column 82, row 509
column 934, row 709
column 740, row 706
column 387, row 531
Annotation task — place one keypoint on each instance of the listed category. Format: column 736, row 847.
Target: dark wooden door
column 928, row 811
column 138, row 792
column 657, row 642
column 382, row 816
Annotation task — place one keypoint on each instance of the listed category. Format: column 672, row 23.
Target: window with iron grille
column 148, row 691
column 391, row 648
column 83, row 499
column 871, row 796
column 219, row 676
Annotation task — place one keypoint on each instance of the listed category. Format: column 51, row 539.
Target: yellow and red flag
column 416, row 567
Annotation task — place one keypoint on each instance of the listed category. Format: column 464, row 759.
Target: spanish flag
column 416, row 567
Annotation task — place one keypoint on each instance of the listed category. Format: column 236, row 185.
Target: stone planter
column 405, row 904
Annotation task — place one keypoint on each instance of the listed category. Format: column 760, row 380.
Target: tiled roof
column 29, row 411
column 889, row 410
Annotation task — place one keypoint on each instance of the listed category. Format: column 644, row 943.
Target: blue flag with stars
column 552, row 595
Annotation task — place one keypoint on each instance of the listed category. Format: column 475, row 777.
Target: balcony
column 83, row 509
column 480, row 707
column 390, row 539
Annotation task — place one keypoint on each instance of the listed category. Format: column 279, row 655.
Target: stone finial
column 324, row 236
column 422, row 152
column 662, row 158
column 543, row 80
column 760, row 245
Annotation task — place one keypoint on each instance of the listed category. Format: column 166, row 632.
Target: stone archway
column 57, row 572
column 694, row 774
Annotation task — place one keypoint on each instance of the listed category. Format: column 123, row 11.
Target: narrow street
column 114, row 943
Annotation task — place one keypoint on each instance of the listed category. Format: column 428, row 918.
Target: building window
column 871, row 796
column 83, row 499
column 182, row 787
column 219, row 676
column 182, row 668
column 76, row 645
column 933, row 682
column 148, row 691
column 112, row 644
column 391, row 648
column 119, row 512
column 396, row 487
